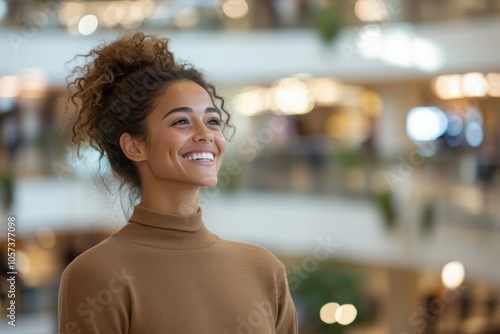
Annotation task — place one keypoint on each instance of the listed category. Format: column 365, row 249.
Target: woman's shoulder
column 252, row 253
column 94, row 259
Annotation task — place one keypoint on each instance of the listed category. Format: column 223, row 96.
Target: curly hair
column 115, row 92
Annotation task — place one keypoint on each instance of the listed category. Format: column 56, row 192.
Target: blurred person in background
column 157, row 123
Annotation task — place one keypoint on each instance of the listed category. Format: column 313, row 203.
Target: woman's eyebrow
column 187, row 109
column 179, row 109
column 212, row 109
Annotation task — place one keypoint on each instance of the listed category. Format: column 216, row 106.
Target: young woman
column 157, row 123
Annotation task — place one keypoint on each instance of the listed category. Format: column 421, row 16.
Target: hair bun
column 131, row 54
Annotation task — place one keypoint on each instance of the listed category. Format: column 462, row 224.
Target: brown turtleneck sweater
column 168, row 274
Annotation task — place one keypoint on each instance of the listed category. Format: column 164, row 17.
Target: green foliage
column 327, row 22
column 386, row 207
column 7, row 188
column 349, row 157
column 428, row 218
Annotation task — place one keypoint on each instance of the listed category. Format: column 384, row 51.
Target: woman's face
column 185, row 143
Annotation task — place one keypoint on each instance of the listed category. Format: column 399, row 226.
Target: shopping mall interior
column 365, row 153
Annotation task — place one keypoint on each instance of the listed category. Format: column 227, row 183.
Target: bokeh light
column 426, row 123
column 291, row 96
column 493, row 80
column 69, row 11
column 346, row 314
column 453, row 274
column 9, row 86
column 350, row 126
column 326, row 91
column 474, row 134
column 134, row 16
column 448, row 87
column 455, row 124
column 252, row 101
column 235, row 9
column 112, row 14
column 327, row 312
column 371, row 10
column 474, row 85
column 88, row 24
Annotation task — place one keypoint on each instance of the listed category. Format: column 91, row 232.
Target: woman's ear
column 134, row 149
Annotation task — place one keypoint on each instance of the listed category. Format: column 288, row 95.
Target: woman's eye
column 215, row 121
column 181, row 121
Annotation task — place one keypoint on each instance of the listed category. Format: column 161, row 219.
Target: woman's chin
column 208, row 183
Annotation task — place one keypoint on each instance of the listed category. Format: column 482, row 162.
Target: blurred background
column 365, row 155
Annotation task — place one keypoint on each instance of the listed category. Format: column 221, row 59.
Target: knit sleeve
column 287, row 315
column 93, row 299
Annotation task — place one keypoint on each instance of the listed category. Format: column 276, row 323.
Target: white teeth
column 200, row 156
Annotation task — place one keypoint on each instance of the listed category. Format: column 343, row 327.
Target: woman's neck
column 175, row 199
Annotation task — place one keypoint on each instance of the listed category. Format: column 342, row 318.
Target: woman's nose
column 203, row 134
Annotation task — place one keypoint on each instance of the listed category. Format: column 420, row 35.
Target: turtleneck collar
column 157, row 229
